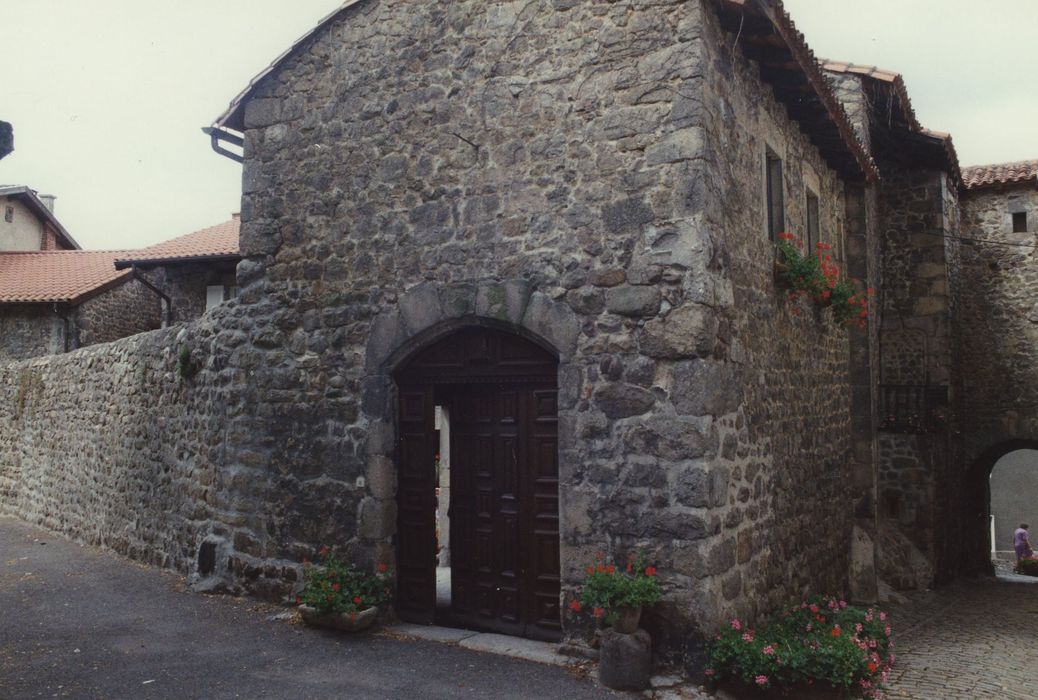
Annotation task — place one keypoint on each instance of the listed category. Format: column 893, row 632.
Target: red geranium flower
column 382, row 568
column 574, row 605
column 650, row 571
column 358, row 600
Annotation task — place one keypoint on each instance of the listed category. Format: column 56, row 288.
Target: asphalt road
column 77, row 622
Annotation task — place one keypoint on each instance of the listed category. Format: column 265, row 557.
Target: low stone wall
column 112, row 446
column 97, row 446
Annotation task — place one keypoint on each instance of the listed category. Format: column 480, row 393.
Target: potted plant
column 341, row 596
column 616, row 595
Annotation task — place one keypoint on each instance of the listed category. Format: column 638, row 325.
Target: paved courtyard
column 79, row 623
column 974, row 639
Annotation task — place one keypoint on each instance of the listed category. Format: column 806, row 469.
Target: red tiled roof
column 220, row 241
column 57, row 276
column 1021, row 171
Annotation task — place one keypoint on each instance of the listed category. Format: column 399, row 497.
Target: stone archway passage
column 501, row 390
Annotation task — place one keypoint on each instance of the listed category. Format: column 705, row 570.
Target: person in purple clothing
column 1022, row 543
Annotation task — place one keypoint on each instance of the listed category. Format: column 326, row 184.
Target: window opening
column 776, row 204
column 8, row 214
column 1020, row 222
column 812, row 221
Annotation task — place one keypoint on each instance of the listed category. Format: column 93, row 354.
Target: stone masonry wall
column 919, row 214
column 997, row 296
column 185, row 284
column 786, row 449
column 28, row 330
column 116, row 313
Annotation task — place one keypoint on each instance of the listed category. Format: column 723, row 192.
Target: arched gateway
column 498, row 392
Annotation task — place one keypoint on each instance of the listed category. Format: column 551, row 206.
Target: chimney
column 48, row 201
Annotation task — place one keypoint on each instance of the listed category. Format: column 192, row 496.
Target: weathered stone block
column 628, row 300
column 687, row 331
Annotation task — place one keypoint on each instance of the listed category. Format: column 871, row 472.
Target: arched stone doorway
column 498, row 392
column 978, row 501
column 1014, row 499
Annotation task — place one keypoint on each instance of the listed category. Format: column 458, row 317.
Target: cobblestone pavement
column 974, row 639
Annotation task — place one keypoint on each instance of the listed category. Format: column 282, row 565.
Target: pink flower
column 887, row 630
column 882, row 616
column 813, row 608
column 709, row 671
column 843, row 603
column 761, row 680
column 809, row 626
column 747, row 637
column 769, row 650
column 736, row 625
column 858, row 627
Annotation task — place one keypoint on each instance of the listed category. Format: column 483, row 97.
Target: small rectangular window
column 214, row 296
column 776, row 203
column 812, row 221
column 1020, row 222
column 8, row 214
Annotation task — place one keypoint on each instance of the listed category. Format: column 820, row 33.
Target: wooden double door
column 501, row 398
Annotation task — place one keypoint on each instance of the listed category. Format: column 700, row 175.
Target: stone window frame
column 9, row 214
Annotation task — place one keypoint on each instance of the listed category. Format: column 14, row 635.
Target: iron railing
column 912, row 408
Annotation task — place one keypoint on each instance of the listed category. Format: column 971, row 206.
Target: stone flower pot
column 627, row 619
column 340, row 621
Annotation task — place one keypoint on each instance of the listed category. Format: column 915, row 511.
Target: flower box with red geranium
column 340, row 595
column 615, row 594
column 816, row 276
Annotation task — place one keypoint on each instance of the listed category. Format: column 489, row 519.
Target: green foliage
column 186, row 366
column 816, row 276
column 820, row 641
column 339, row 587
column 609, row 587
column 1027, row 567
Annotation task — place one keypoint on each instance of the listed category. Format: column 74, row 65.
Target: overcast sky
column 107, row 97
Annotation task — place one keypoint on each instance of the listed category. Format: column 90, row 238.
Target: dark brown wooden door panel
column 504, row 482
column 416, row 506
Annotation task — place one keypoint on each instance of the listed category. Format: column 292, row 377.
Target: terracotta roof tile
column 56, row 276
column 1021, row 171
column 220, row 241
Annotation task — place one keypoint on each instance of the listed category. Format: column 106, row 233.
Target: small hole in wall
column 892, row 505
column 207, row 558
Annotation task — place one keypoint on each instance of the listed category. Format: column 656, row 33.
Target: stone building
column 55, row 297
column 996, row 291
column 194, row 272
column 56, row 301
column 556, row 223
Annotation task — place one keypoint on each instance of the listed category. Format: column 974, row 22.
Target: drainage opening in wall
column 207, row 558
